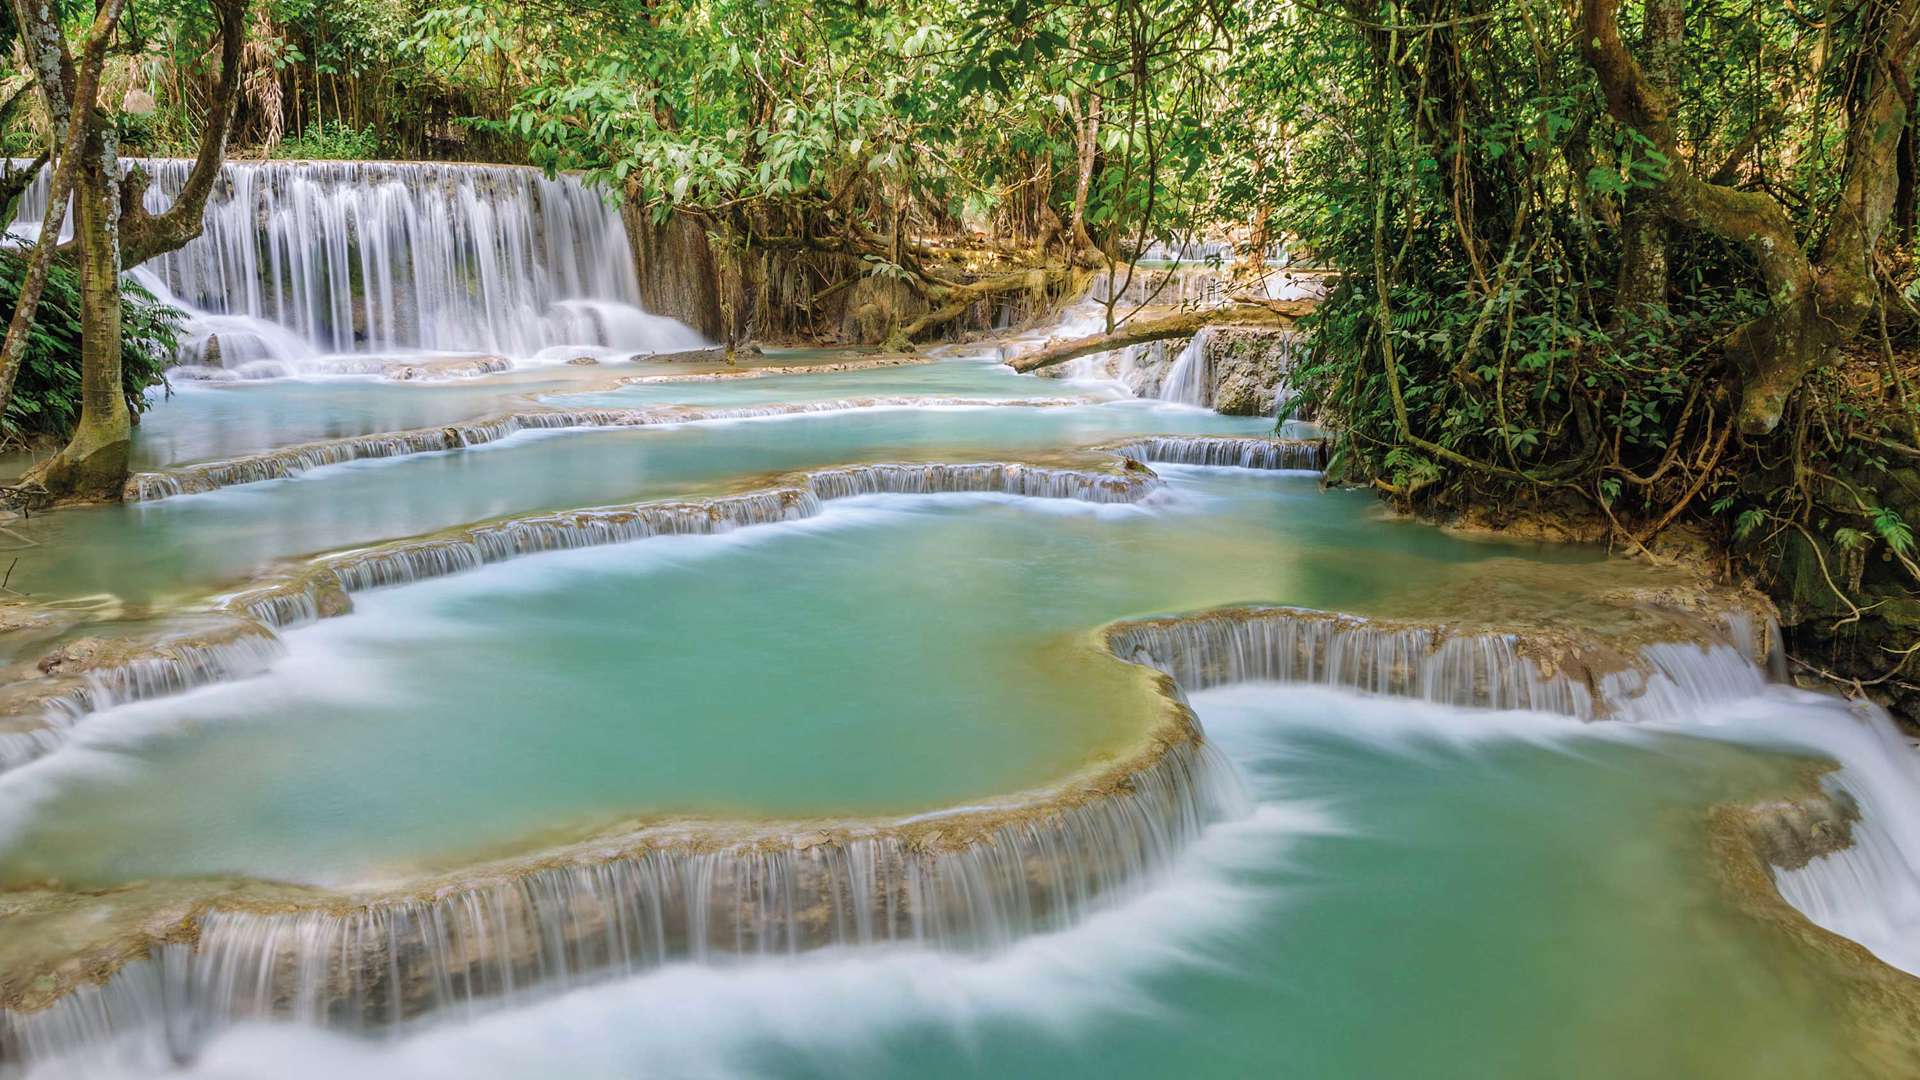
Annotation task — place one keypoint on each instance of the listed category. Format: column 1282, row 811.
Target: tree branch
column 145, row 235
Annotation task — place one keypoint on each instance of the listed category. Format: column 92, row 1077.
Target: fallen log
column 1277, row 313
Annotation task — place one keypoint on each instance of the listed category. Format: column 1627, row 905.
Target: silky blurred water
column 894, row 654
column 1421, row 891
column 150, row 553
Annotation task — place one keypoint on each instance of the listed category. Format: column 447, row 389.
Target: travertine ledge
column 294, row 460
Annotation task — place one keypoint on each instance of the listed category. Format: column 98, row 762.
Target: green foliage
column 1889, row 526
column 772, row 112
column 1463, row 162
column 46, row 397
column 330, row 140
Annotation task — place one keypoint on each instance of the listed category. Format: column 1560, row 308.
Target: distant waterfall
column 304, row 258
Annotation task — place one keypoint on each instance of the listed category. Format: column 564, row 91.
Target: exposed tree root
column 953, row 300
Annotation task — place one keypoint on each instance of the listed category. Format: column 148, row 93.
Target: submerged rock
column 72, row 654
column 713, row 354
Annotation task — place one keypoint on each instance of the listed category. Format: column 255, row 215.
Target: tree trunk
column 1087, row 149
column 71, row 120
column 148, row 235
column 1254, row 263
column 1280, row 313
column 94, row 463
column 1815, row 305
column 1904, row 219
column 1643, row 277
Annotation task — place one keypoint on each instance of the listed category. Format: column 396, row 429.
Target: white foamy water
column 852, row 1011
column 309, row 267
column 1190, row 380
column 1868, row 892
column 830, row 1009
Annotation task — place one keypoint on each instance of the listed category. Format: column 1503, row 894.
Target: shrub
column 46, row 396
column 330, row 140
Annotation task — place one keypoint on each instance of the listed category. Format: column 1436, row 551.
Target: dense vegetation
column 1652, row 284
column 1646, row 265
column 46, row 400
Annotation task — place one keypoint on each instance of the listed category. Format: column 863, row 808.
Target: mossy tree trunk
column 1185, row 324
column 1643, row 277
column 1819, row 298
column 1086, row 141
column 70, row 120
column 94, row 462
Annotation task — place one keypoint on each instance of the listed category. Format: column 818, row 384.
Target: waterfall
column 140, row 671
column 303, row 258
column 972, row 879
column 1677, row 680
column 1190, row 382
column 170, row 666
column 1869, row 889
column 1300, row 645
column 322, row 587
column 1227, row 450
column 1849, row 860
column 1660, row 682
column 1145, row 371
column 1140, row 369
column 944, row 882
column 1190, row 285
column 1852, row 867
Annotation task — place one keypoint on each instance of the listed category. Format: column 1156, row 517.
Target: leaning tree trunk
column 94, row 462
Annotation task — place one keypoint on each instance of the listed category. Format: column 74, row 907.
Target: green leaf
column 1896, row 532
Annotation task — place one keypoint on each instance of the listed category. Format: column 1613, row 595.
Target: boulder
column 1249, row 366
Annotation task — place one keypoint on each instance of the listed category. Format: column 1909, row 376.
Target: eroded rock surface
column 1249, row 368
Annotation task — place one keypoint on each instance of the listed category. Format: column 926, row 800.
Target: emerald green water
column 1419, row 891
column 961, row 378
column 209, row 421
column 196, row 422
column 893, row 655
column 179, row 548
